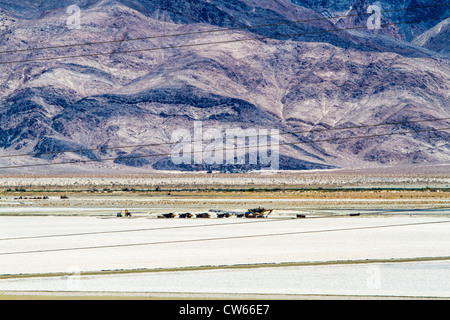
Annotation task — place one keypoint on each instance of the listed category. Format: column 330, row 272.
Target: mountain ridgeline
column 143, row 69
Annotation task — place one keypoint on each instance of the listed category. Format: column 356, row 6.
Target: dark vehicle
column 186, row 215
column 223, row 215
column 202, row 215
column 167, row 216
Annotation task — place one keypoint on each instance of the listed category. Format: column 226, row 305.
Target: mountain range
column 133, row 72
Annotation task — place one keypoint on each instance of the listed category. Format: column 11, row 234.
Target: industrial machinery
column 259, row 212
column 127, row 214
column 202, row 215
column 167, row 216
column 186, row 215
column 223, row 215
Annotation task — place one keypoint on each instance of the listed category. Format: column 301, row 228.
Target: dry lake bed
column 375, row 255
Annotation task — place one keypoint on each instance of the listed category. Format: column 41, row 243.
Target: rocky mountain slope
column 296, row 77
column 422, row 11
column 437, row 38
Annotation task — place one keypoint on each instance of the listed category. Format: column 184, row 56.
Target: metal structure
column 259, row 212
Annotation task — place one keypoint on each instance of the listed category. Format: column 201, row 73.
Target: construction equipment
column 127, row 213
column 223, row 215
column 167, row 216
column 202, row 215
column 186, row 215
column 259, row 212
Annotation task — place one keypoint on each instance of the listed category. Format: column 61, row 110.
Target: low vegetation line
column 222, row 267
column 224, row 189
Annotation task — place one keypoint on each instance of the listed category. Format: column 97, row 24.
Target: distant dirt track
column 36, row 295
column 220, row 267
